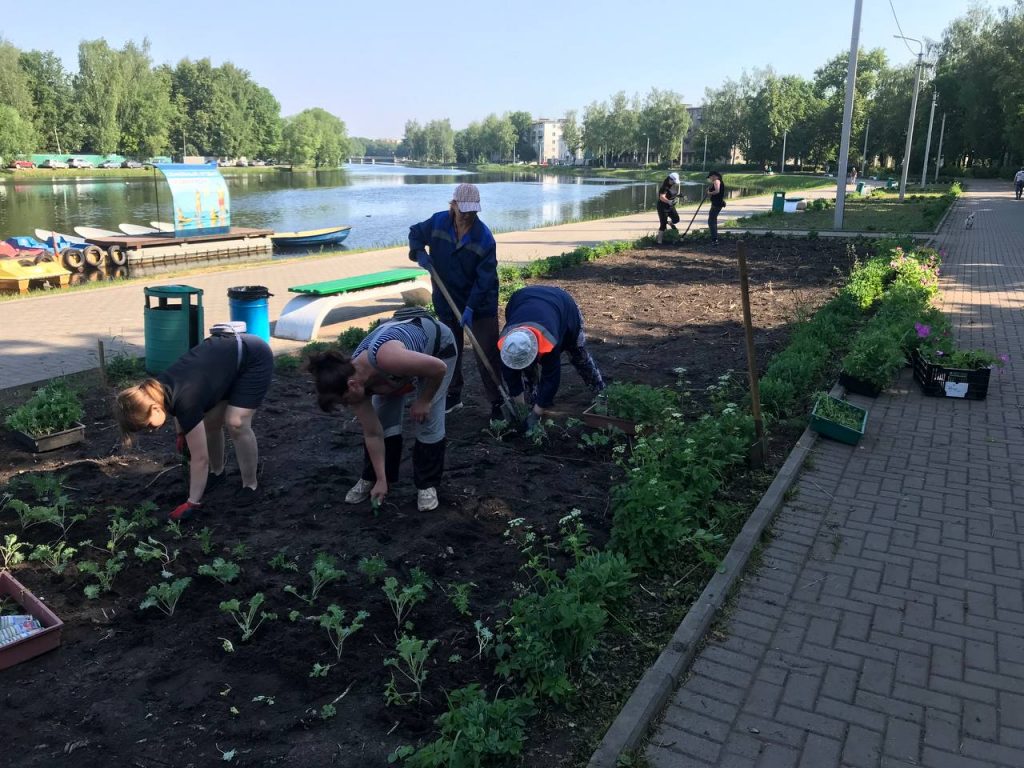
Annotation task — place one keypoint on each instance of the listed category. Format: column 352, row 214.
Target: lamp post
column 844, row 142
column 928, row 143
column 913, row 114
column 647, row 157
column 938, row 155
column 864, row 154
column 782, row 162
column 703, row 165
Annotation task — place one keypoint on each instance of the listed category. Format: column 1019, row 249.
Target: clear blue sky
column 377, row 64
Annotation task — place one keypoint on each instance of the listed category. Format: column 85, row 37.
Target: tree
column 523, row 124
column 780, row 105
column 724, row 119
column 56, row 113
column 498, row 137
column 664, row 120
column 440, row 141
column 595, row 130
column 830, row 88
column 17, row 134
column 145, row 110
column 15, row 88
column 99, row 89
column 314, row 137
column 571, row 134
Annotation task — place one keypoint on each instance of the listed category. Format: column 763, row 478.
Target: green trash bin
column 173, row 323
column 891, row 184
column 860, row 187
column 778, row 202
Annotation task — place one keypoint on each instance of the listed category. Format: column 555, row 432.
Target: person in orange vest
column 542, row 322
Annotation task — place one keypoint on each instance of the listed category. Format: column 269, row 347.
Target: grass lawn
column 882, row 212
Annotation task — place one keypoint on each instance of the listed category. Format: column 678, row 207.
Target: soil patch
column 134, row 687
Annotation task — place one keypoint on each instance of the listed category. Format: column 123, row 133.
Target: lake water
column 380, row 202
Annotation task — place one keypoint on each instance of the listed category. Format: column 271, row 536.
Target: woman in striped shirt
column 397, row 359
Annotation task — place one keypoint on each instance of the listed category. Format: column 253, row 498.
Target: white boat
column 162, row 226
column 137, row 229
column 47, row 235
column 93, row 233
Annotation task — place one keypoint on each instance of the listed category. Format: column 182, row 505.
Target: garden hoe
column 702, row 199
column 508, row 406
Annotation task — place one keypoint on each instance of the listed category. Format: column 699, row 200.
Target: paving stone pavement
column 884, row 625
column 55, row 334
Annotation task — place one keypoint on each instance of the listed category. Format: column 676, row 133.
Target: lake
column 380, row 202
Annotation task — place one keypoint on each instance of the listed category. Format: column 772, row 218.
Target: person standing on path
column 1018, row 183
column 399, row 358
column 716, row 196
column 462, row 252
column 668, row 194
column 216, row 384
column 542, row 322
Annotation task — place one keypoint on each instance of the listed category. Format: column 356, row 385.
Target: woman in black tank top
column 716, row 195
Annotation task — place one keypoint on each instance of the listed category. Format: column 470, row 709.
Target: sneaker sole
column 453, row 408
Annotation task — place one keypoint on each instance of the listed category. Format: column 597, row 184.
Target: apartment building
column 546, row 138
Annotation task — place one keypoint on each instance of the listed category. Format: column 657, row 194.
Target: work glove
column 423, row 259
column 181, row 444
column 467, row 317
column 184, row 511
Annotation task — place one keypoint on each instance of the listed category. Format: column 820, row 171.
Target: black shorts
column 253, row 380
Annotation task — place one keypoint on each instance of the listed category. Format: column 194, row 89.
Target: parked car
column 77, row 162
column 109, row 164
column 51, row 163
column 131, row 164
column 260, row 162
column 21, row 164
column 242, row 164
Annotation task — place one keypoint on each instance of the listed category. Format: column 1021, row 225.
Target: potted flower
column 838, row 419
column 944, row 371
column 874, row 359
column 50, row 419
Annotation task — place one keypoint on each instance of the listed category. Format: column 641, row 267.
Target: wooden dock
column 156, row 250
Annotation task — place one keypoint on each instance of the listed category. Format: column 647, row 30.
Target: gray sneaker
column 359, row 492
column 426, row 499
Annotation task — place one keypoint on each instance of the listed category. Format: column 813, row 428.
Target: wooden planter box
column 45, row 640
column 53, row 441
column 601, row 421
column 856, row 386
column 939, row 381
column 836, row 431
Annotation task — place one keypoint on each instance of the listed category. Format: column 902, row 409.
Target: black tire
column 72, row 260
column 43, row 257
column 93, row 256
column 119, row 273
column 116, row 256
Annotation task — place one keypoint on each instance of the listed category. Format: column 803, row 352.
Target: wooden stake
column 103, row 362
column 758, row 450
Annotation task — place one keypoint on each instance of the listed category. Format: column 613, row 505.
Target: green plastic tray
column 837, row 431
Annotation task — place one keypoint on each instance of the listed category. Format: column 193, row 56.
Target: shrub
column 639, row 402
column 53, row 408
column 123, row 371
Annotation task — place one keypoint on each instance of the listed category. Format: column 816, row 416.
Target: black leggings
column 666, row 212
column 713, row 222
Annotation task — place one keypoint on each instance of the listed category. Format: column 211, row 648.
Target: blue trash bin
column 248, row 304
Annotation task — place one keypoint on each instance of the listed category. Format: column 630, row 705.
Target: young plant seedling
column 484, row 638
column 402, row 599
column 120, row 528
column 105, row 575
column 410, row 663
column 10, row 550
column 251, row 619
column 320, row 670
column 322, row 574
column 459, row 596
column 174, row 528
column 152, row 549
column 327, row 711
column 282, row 563
column 220, row 569
column 205, row 539
column 334, row 622
column 498, row 430
column 56, row 557
column 165, row 595
column 372, row 567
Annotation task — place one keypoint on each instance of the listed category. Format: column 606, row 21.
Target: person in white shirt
column 1018, row 182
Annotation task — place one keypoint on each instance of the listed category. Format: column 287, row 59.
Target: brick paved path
column 885, row 623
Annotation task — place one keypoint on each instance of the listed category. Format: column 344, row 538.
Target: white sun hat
column 467, row 198
column 518, row 349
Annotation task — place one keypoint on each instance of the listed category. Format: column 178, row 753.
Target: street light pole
column 928, row 143
column 864, row 154
column 844, row 143
column 913, row 115
column 703, row 165
column 647, row 157
column 782, row 163
column 938, row 155
column 682, row 142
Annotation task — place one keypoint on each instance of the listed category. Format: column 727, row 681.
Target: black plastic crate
column 938, row 381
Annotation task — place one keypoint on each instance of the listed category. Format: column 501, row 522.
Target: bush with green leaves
column 54, row 407
column 475, row 731
column 638, row 402
column 124, row 370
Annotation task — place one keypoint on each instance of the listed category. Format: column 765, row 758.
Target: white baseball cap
column 467, row 198
column 518, row 348
column 674, row 176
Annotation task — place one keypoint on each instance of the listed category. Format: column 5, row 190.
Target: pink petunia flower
column 923, row 331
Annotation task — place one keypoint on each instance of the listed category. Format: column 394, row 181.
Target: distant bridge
column 374, row 160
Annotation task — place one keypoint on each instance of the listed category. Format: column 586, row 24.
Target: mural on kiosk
column 200, row 199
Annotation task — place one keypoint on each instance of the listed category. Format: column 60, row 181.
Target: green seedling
column 402, row 599
column 10, row 550
column 320, row 670
column 205, row 539
column 165, row 595
column 154, row 550
column 459, row 596
column 55, row 514
column 334, row 622
column 484, row 638
column 174, row 528
column 104, row 575
column 372, row 567
column 411, row 664
column 498, row 429
column 220, row 569
column 282, row 563
column 268, row 700
column 327, row 711
column 56, row 557
column 120, row 528
column 250, row 619
column 240, row 550
column 322, row 574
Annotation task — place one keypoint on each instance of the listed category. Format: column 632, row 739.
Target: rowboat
column 162, row 226
column 47, row 236
column 137, row 230
column 90, row 233
column 310, row 237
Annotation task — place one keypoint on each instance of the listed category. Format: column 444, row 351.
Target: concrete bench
column 303, row 315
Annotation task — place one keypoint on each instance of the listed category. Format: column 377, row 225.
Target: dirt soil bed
column 132, row 687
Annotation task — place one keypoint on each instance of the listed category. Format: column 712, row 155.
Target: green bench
column 305, row 313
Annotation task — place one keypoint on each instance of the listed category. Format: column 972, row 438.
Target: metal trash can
column 778, row 202
column 860, row 187
column 173, row 325
column 249, row 304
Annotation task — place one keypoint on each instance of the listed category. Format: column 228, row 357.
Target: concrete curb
column 661, row 679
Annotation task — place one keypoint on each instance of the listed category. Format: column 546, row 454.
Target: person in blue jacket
column 542, row 322
column 462, row 252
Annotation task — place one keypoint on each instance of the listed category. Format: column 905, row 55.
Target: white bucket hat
column 518, row 349
column 467, row 198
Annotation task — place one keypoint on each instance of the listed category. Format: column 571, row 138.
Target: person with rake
column 410, row 356
column 217, row 384
column 668, row 196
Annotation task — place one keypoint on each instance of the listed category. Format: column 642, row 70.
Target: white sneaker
column 359, row 492
column 426, row 499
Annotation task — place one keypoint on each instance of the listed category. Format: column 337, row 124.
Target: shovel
column 508, row 406
column 702, row 199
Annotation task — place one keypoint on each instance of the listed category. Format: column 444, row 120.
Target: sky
column 378, row 65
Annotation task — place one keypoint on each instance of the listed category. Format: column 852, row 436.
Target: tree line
column 119, row 102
